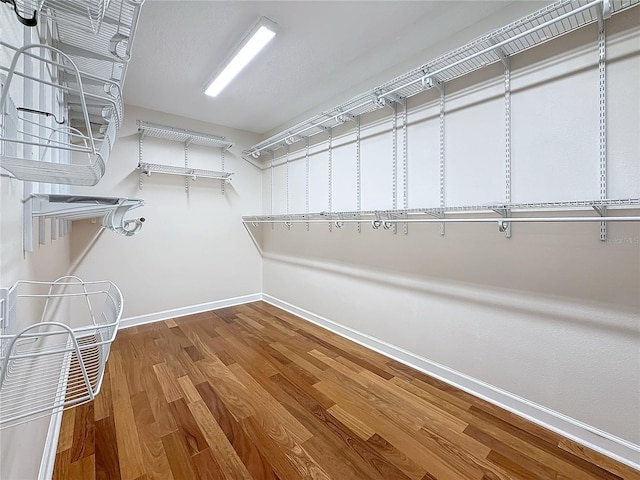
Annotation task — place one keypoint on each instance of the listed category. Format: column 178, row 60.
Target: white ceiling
column 323, row 50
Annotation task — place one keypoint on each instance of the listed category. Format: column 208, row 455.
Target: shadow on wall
column 552, row 272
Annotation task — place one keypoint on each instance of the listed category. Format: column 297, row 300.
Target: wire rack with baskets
column 66, row 136
column 55, row 358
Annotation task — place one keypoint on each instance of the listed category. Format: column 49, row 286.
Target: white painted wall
column 552, row 314
column 192, row 248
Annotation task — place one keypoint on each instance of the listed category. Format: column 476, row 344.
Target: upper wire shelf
column 557, row 19
column 184, row 136
column 51, row 360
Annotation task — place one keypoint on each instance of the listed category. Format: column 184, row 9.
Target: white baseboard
column 598, row 440
column 189, row 310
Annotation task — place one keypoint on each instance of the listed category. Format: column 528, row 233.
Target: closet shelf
column 183, row 136
column 60, row 209
column 557, row 19
column 193, row 173
column 55, row 339
column 467, row 213
column 186, row 137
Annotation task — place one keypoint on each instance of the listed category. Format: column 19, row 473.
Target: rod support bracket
column 504, row 225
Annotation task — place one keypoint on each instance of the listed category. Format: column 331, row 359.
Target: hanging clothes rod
column 451, row 220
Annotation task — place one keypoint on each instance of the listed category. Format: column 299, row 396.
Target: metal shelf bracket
column 503, row 224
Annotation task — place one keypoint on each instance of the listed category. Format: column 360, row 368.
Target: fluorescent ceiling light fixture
column 251, row 45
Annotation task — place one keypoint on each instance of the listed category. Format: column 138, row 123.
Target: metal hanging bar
column 306, row 178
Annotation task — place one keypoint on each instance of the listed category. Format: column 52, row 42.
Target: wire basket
column 58, row 360
column 45, row 143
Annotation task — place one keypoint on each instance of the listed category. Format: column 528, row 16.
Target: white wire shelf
column 62, row 209
column 601, row 210
column 42, row 141
column 193, row 173
column 183, row 136
column 55, row 339
column 106, row 52
column 557, row 19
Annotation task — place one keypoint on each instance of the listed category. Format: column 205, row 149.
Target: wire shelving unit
column 555, row 20
column 54, row 359
column 186, row 137
column 65, row 135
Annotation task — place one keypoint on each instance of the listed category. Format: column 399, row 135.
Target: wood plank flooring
column 253, row 392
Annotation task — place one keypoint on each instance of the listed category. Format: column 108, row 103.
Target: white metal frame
column 86, row 59
column 555, row 20
column 52, row 364
column 187, row 137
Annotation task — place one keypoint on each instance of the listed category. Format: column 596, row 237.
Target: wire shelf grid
column 183, row 136
column 441, row 212
column 550, row 22
column 57, row 360
column 194, row 173
column 43, row 136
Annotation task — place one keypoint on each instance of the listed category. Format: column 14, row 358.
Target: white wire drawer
column 54, row 345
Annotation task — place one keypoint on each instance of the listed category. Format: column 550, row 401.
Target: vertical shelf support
column 405, row 162
column 271, row 192
column 223, row 182
column 140, row 140
column 440, row 86
column 358, row 173
column 603, row 14
column 394, row 132
column 186, row 165
column 306, row 177
column 287, row 186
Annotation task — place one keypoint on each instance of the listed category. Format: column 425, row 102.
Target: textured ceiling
column 322, row 50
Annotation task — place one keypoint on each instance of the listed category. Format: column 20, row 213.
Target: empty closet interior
column 458, row 191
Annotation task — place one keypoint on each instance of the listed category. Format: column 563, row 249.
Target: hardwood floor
column 253, row 392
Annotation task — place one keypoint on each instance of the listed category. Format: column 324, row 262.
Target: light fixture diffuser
column 257, row 38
